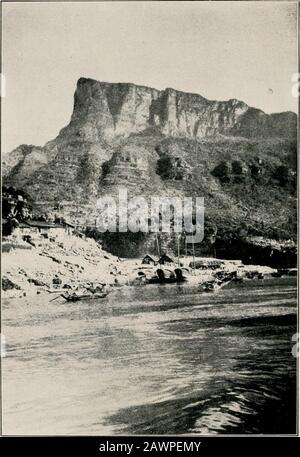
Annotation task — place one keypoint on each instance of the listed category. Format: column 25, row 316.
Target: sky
column 221, row 50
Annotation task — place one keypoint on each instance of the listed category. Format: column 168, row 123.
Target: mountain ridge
column 163, row 142
column 168, row 90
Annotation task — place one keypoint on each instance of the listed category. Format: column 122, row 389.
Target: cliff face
column 159, row 142
column 107, row 110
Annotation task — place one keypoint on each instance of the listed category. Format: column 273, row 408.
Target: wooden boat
column 75, row 296
column 56, row 291
column 209, row 286
column 214, row 285
column 167, row 276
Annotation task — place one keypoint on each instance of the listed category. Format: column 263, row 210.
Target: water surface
column 152, row 360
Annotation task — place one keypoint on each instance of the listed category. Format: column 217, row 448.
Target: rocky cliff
column 106, row 110
column 163, row 142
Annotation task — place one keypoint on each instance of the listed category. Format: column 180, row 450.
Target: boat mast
column 193, row 250
column 186, row 249
column 157, row 245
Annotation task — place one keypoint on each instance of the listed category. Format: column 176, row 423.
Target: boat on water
column 214, row 285
column 75, row 296
column 209, row 286
column 168, row 276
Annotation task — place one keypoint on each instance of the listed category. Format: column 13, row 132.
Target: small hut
column 166, row 260
column 149, row 260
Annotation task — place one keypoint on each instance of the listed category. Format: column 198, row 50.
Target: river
column 152, row 360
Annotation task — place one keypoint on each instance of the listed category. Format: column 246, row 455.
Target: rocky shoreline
column 69, row 263
column 75, row 263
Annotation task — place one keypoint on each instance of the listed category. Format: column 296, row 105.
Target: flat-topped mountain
column 164, row 142
column 108, row 109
